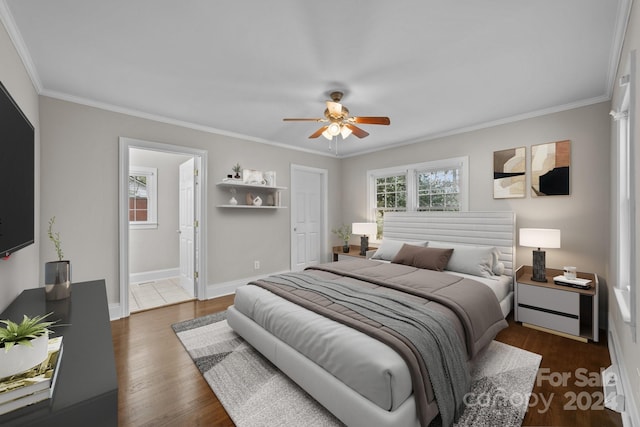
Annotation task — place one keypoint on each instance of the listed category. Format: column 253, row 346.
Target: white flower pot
column 21, row 358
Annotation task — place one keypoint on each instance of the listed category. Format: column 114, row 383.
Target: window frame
column 152, row 197
column 411, row 172
column 625, row 287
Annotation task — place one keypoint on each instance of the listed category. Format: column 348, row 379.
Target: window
column 143, row 197
column 626, row 271
column 431, row 186
column 439, row 190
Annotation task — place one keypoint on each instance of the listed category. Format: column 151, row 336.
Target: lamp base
column 539, row 274
column 364, row 245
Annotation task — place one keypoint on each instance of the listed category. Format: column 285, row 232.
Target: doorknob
column 178, row 231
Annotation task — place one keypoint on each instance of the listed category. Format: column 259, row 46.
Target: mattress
column 340, row 350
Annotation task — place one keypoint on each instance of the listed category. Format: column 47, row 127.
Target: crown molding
column 18, row 42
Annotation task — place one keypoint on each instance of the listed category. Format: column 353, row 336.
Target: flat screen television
column 16, row 176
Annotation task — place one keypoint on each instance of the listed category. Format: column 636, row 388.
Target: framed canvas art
column 509, row 178
column 550, row 167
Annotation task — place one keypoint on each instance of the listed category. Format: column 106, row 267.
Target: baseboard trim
column 150, row 276
column 630, row 417
column 227, row 288
column 214, row 290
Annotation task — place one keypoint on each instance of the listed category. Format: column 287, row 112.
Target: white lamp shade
column 364, row 228
column 540, row 237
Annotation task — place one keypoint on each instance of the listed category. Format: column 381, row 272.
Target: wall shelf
column 243, row 189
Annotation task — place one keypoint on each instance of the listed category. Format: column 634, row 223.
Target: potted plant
column 57, row 274
column 237, row 168
column 344, row 233
column 23, row 345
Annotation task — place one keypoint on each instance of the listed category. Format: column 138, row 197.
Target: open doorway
column 161, row 221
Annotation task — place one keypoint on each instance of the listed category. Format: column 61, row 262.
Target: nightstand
column 561, row 310
column 354, row 251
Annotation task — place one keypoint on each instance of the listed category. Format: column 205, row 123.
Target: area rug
column 255, row 393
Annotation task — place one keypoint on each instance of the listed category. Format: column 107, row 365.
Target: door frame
column 324, row 220
column 123, row 213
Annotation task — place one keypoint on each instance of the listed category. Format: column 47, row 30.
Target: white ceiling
column 434, row 67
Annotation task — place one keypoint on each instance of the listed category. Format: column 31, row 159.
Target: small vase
column 233, row 201
column 57, row 280
column 345, row 248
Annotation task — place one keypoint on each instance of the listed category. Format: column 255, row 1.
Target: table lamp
column 365, row 229
column 539, row 238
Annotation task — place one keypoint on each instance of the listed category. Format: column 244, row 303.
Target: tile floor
column 147, row 295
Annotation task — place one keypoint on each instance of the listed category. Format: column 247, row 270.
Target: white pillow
column 389, row 248
column 469, row 259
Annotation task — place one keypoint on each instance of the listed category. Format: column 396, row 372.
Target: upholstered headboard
column 473, row 228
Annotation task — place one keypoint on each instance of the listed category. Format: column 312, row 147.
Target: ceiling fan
column 338, row 121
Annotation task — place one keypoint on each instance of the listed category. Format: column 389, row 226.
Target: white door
column 187, row 222
column 307, row 217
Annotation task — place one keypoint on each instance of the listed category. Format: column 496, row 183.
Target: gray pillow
column 389, row 248
column 469, row 259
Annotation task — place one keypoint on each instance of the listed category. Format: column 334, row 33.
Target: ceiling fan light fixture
column 345, row 132
column 334, row 129
column 327, row 135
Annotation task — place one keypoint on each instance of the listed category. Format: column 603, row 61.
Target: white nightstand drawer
column 550, row 299
column 550, row 321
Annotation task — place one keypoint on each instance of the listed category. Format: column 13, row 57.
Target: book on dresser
column 35, row 385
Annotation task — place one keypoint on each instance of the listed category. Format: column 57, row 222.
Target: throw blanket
column 430, row 332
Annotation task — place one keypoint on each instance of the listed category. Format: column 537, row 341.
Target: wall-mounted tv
column 16, row 176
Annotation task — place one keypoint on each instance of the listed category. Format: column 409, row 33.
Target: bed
column 351, row 361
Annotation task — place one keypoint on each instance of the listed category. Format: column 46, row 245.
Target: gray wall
column 158, row 248
column 582, row 217
column 80, row 186
column 20, row 271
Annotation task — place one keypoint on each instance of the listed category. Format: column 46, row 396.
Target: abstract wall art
column 550, row 167
column 509, row 179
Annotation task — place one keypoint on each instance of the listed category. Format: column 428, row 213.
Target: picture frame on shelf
column 270, row 178
column 252, row 177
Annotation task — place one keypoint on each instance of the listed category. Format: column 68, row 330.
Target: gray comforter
column 437, row 296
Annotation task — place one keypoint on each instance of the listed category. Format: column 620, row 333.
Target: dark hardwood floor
column 160, row 386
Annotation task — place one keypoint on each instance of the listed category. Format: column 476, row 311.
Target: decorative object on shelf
column 550, row 164
column 237, row 168
column 232, row 200
column 344, row 233
column 569, row 272
column 257, row 201
column 366, row 229
column 23, row 345
column 57, row 274
column 539, row 238
column 253, row 177
column 509, row 179
column 245, row 195
column 270, row 178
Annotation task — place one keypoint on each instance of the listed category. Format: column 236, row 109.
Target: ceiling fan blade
column 360, row 133
column 372, row 120
column 302, row 120
column 318, row 132
column 335, row 109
